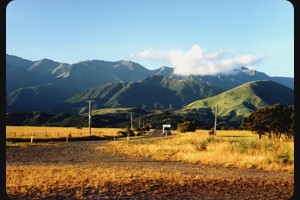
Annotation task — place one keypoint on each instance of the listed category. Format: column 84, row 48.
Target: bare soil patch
column 76, row 170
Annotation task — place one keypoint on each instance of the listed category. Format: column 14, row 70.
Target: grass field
column 182, row 166
column 79, row 179
column 229, row 148
column 56, row 132
column 87, row 182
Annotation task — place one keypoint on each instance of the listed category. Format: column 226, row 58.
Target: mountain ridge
column 156, row 92
column 241, row 101
column 233, row 105
column 41, row 85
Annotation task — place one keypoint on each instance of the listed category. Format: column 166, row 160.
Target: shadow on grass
column 233, row 136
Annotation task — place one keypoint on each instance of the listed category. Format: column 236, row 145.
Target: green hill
column 152, row 93
column 244, row 99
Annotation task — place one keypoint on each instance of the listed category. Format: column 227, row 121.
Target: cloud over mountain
column 197, row 62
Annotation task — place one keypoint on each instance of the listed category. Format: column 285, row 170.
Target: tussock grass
column 56, row 132
column 229, row 148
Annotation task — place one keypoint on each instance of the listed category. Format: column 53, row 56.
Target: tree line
column 273, row 121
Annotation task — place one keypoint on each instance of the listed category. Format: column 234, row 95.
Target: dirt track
column 217, row 182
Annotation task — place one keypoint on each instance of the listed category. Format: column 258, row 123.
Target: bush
column 202, row 146
column 126, row 132
column 186, row 127
column 211, row 131
column 285, row 156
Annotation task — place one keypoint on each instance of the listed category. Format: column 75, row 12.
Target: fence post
column 31, row 140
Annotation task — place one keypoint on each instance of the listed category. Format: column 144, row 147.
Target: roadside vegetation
column 228, row 148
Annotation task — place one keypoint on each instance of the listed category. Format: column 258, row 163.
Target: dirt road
column 204, row 182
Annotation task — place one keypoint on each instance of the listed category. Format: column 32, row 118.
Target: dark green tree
column 289, row 130
column 274, row 121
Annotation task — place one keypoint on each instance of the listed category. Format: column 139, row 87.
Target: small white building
column 166, row 129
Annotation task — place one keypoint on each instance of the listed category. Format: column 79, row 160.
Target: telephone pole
column 131, row 121
column 139, row 122
column 90, row 116
column 216, row 113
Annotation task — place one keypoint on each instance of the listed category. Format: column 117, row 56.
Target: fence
column 56, row 132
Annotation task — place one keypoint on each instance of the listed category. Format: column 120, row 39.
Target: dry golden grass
column 69, row 175
column 56, row 132
column 90, row 182
column 52, row 180
column 229, row 148
column 76, row 171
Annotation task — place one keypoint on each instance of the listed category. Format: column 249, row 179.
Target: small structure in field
column 166, row 129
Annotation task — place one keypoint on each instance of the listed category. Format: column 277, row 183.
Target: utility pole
column 139, row 122
column 131, row 121
column 216, row 113
column 90, row 116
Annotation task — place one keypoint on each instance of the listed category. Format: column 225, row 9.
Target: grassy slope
column 105, row 111
column 246, row 98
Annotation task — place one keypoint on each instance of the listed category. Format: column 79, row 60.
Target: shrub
column 284, row 156
column 126, row 132
column 202, row 146
column 211, row 131
column 186, row 126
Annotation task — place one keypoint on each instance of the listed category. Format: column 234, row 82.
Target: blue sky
column 194, row 37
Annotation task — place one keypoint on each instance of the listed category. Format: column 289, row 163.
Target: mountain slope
column 287, row 81
column 155, row 92
column 81, row 75
column 245, row 99
column 43, row 84
column 91, row 73
column 233, row 105
column 238, row 77
column 40, row 85
column 37, row 98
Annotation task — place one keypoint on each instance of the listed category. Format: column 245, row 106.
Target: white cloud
column 196, row 62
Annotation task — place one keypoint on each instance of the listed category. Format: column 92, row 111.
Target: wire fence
column 57, row 132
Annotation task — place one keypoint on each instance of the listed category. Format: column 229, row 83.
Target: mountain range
column 152, row 93
column 53, row 87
